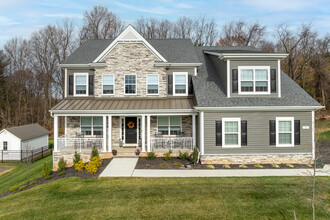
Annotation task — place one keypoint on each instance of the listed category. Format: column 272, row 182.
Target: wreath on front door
column 131, row 124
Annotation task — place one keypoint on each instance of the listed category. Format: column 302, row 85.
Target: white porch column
column 148, row 134
column 143, row 138
column 55, row 133
column 194, row 130
column 65, row 125
column 109, row 133
column 104, row 133
column 201, row 131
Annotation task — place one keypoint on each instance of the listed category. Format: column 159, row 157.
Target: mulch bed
column 175, row 162
column 69, row 172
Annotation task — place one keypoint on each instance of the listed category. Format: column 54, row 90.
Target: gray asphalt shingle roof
column 209, row 93
column 173, row 50
column 26, row 132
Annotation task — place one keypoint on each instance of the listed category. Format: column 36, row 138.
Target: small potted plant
column 137, row 151
column 114, row 152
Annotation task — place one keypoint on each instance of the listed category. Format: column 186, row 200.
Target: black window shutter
column 218, row 133
column 234, row 80
column 296, row 132
column 170, row 84
column 244, row 133
column 71, row 85
column 91, row 85
column 273, row 80
column 190, row 85
column 272, row 132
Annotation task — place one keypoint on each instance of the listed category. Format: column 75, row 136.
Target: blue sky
column 22, row 17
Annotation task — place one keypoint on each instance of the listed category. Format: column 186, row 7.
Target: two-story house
column 233, row 103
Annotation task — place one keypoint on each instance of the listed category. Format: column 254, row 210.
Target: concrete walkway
column 125, row 167
column 120, row 167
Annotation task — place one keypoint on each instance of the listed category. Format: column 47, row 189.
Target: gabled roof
column 209, row 93
column 26, row 132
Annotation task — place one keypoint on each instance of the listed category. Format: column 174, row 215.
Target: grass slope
column 166, row 198
column 322, row 130
column 18, row 175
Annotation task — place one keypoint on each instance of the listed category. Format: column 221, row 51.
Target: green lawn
column 18, row 175
column 322, row 130
column 166, row 198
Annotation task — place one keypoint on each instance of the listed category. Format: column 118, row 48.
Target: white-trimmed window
column 169, row 125
column 5, row 145
column 254, row 80
column 81, row 84
column 108, row 84
column 180, row 80
column 231, row 132
column 91, row 125
column 152, row 84
column 130, row 84
column 284, row 131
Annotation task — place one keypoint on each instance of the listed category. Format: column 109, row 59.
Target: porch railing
column 79, row 143
column 175, row 143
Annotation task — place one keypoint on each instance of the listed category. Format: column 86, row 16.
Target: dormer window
column 254, row 80
column 81, row 84
column 180, row 83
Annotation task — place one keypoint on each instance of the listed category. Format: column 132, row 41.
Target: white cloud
column 4, row 21
column 153, row 10
column 63, row 15
column 279, row 5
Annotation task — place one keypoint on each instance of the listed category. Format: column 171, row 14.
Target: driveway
column 322, row 149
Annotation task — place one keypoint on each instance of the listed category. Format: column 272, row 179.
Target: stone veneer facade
column 130, row 58
column 254, row 159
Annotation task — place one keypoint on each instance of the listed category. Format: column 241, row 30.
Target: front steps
column 125, row 153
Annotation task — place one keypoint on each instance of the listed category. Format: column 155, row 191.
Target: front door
column 131, row 130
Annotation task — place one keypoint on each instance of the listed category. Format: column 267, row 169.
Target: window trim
column 152, row 74
column 169, row 124
column 254, row 87
column 292, row 131
column 3, row 145
column 74, row 84
column 174, row 84
column 224, row 145
column 113, row 75
column 92, row 126
column 136, row 87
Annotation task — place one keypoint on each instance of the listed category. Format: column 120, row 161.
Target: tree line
column 31, row 81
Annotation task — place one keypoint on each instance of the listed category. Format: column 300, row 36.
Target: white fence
column 79, row 144
column 175, row 144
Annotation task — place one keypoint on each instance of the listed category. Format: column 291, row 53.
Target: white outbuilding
column 15, row 140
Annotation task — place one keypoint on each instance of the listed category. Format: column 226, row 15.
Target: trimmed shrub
column 79, row 166
column 275, row 165
column 289, row 165
column 61, row 173
column 168, row 155
column 32, row 183
column 178, row 165
column 93, row 165
column 151, row 155
column 183, row 156
column 210, row 166
column 195, row 155
column 163, row 165
column 61, row 165
column 226, row 166
column 95, row 152
column 242, row 166
column 13, row 188
column 45, row 170
column 76, row 158
column 98, row 161
column 22, row 188
column 258, row 165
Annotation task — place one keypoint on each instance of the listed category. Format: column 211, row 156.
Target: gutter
column 95, row 65
column 260, row 108
column 165, row 64
column 225, row 56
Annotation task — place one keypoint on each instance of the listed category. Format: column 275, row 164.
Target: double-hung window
column 169, row 125
column 81, row 84
column 92, row 125
column 231, row 132
column 130, row 84
column 152, row 84
column 108, row 84
column 5, row 145
column 284, row 131
column 180, row 83
column 254, row 80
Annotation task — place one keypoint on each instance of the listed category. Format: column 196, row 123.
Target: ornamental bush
column 183, row 156
column 79, row 166
column 151, row 155
column 95, row 152
column 32, row 183
column 76, row 158
column 22, row 188
column 195, row 155
column 45, row 170
column 93, row 165
column 61, row 164
column 168, row 155
column 13, row 188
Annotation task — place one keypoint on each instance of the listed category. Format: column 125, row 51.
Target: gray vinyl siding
column 72, row 71
column 220, row 67
column 257, row 132
column 272, row 63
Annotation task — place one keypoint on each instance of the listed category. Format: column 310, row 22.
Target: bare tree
column 100, row 23
column 183, row 28
column 240, row 33
column 205, row 32
column 267, row 46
